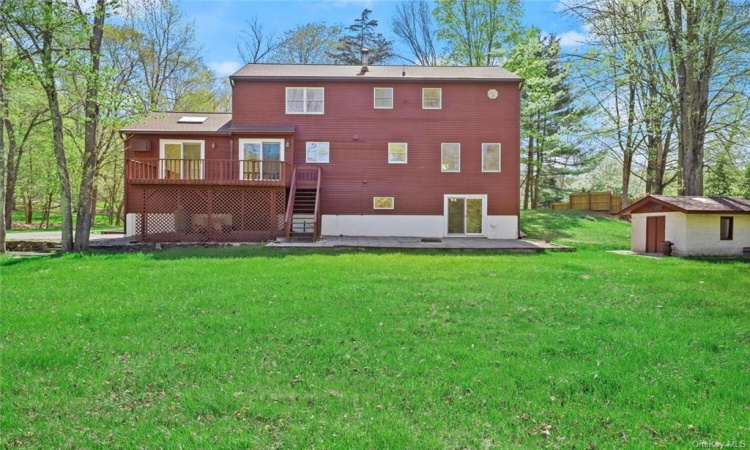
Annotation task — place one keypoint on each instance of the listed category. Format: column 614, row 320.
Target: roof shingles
column 694, row 204
column 321, row 71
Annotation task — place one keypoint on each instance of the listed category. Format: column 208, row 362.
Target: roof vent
column 365, row 69
column 192, row 119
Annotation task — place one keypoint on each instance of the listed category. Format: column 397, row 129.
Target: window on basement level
column 397, row 153
column 450, row 157
column 317, row 152
column 305, row 100
column 382, row 202
column 383, row 98
column 490, row 157
column 727, row 228
column 432, row 98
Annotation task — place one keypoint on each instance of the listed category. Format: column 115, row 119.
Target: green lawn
column 266, row 348
column 55, row 223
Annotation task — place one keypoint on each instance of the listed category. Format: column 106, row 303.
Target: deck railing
column 207, row 171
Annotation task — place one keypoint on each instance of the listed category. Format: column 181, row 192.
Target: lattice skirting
column 209, row 214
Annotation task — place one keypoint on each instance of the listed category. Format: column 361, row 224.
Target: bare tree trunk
column 627, row 160
column 46, row 211
column 3, row 115
column 28, row 210
column 86, row 193
column 529, row 173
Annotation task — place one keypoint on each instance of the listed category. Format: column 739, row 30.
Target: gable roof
column 169, row 122
column 405, row 72
column 692, row 204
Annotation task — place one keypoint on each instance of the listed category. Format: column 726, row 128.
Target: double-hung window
column 305, row 100
column 382, row 98
column 490, row 157
column 450, row 157
column 432, row 98
column 181, row 160
column 397, row 153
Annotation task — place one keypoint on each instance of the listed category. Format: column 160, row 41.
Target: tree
column 164, row 42
column 686, row 61
column 550, row 119
column 476, row 30
column 722, row 178
column 362, row 35
column 698, row 32
column 3, row 115
column 311, row 43
column 415, row 27
column 39, row 29
column 745, row 184
column 255, row 43
column 91, row 67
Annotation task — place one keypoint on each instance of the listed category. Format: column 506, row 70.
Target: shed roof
column 403, row 72
column 169, row 122
column 692, row 204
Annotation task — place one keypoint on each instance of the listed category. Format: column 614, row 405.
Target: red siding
column 359, row 136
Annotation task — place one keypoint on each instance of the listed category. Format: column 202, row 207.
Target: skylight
column 192, row 119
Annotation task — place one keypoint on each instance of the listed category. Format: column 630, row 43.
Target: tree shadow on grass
column 551, row 227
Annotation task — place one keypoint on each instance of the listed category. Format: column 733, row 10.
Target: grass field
column 266, row 348
column 55, row 223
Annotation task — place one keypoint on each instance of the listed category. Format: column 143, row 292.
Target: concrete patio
column 414, row 243
column 50, row 240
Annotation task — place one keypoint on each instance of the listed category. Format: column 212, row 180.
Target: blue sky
column 219, row 23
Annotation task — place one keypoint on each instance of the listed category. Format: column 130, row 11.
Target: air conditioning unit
column 141, row 145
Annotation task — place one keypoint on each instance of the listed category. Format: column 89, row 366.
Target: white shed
column 696, row 226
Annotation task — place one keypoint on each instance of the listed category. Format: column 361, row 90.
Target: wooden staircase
column 302, row 220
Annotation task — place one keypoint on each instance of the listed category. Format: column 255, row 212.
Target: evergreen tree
column 348, row 50
column 550, row 120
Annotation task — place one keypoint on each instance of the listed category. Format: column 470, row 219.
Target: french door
column 261, row 159
column 465, row 214
column 182, row 160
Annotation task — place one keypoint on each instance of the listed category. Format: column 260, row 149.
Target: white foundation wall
column 496, row 227
column 703, row 238
column 424, row 226
column 501, row 227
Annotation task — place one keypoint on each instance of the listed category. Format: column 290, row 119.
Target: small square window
column 727, row 228
column 382, row 202
column 450, row 157
column 317, row 152
column 397, row 153
column 490, row 157
column 383, row 98
column 432, row 98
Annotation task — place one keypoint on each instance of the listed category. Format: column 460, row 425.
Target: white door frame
column 482, row 197
column 260, row 141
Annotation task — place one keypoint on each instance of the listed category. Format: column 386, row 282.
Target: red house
column 314, row 150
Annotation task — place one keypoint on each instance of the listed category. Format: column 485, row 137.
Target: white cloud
column 572, row 39
column 224, row 68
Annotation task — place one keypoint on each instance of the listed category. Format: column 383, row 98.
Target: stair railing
column 290, row 206
column 317, row 213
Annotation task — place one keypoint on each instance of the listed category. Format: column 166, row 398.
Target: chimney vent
column 365, row 69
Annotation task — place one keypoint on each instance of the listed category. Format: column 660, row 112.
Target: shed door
column 654, row 234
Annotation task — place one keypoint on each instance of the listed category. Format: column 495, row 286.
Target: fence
column 592, row 201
